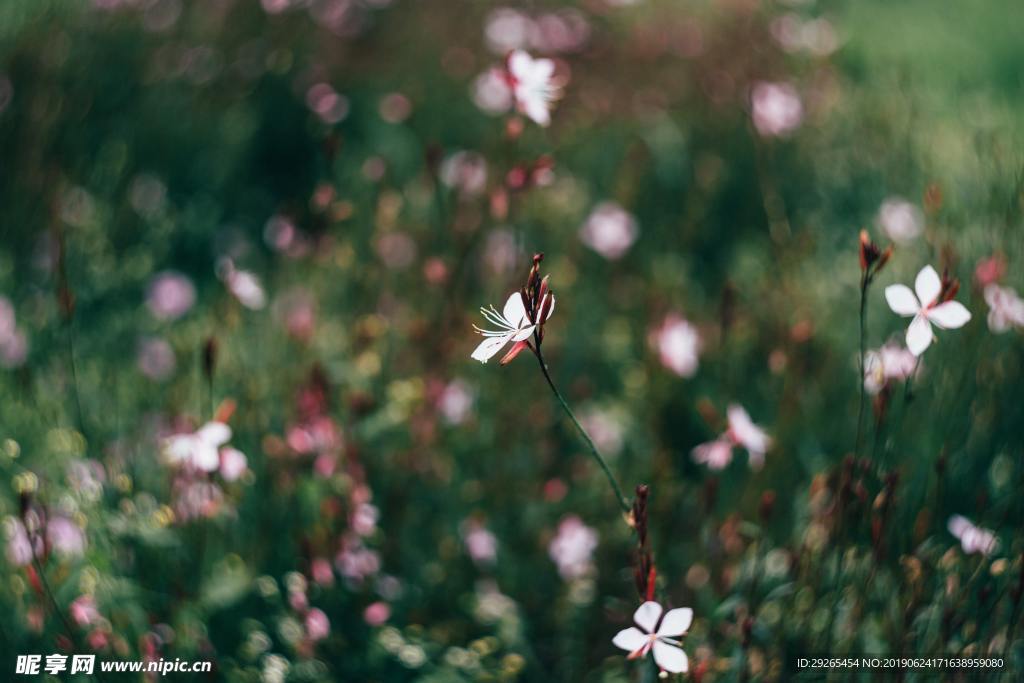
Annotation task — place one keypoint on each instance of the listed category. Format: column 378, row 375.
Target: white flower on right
column 973, row 539
column 668, row 653
column 1006, row 308
column 925, row 308
column 533, row 85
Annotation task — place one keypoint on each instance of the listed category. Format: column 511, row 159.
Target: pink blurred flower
column 606, row 428
column 900, row 220
column 377, row 613
column 64, row 536
column 364, row 519
column 1006, row 308
column 609, row 230
column 814, row 36
column 481, row 544
column 83, row 610
column 491, row 91
column 891, row 362
column 507, row 29
column 573, row 547
column 170, row 295
column 777, row 110
column 973, row 539
column 327, row 103
column 318, row 626
column 196, row 499
column 233, row 463
column 244, row 285
column 155, row 358
column 355, row 561
column 13, row 344
column 741, row 431
column 395, row 107
column 990, row 270
column 321, row 571
column 678, row 345
column 456, row 402
column 466, row 172
column 396, row 249
column 296, row 311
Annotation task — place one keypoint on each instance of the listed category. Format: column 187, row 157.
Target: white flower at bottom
column 925, row 308
column 668, row 653
column 201, row 449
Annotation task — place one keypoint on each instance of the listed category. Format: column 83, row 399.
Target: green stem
column 860, row 360
column 621, row 499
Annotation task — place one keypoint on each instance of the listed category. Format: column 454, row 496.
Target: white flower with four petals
column 656, row 637
column 925, row 308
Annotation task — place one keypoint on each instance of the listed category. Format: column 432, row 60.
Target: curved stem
column 621, row 499
column 860, row 364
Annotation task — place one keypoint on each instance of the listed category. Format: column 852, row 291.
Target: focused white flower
column 891, row 362
column 201, row 449
column 741, row 431
column 514, row 325
column 1006, row 308
column 533, row 86
column 973, row 539
column 925, row 309
column 668, row 653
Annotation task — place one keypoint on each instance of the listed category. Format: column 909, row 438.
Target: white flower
column 668, row 653
column 741, row 432
column 973, row 539
column 1006, row 308
column 925, row 308
column 777, row 110
column 900, row 220
column 514, row 325
column 678, row 345
column 609, row 230
column 572, row 548
column 244, row 285
column 532, row 84
column 201, row 449
column 887, row 363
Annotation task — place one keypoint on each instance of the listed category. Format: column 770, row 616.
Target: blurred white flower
column 244, row 285
column 973, row 539
column 170, row 295
column 1006, row 308
column 678, row 345
column 609, row 230
column 606, row 428
column 200, row 449
column 533, row 85
column 466, row 172
column 492, row 91
column 925, row 309
column 668, row 653
column 891, row 362
column 233, row 463
column 514, row 325
column 741, row 432
column 507, row 29
column 481, row 544
column 456, row 402
column 573, row 547
column 900, row 220
column 777, row 110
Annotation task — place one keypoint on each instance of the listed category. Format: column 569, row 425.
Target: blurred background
column 283, row 215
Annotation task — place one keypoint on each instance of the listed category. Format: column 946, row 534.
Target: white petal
column 206, row 457
column 552, row 309
column 520, row 64
column 646, row 615
column 958, row 525
column 743, row 429
column 919, row 335
column 214, row 433
column 535, row 107
column 676, row 622
column 670, row 658
column 631, row 639
column 514, row 311
column 178, row 448
column 901, row 300
column 927, row 285
column 523, row 333
column 488, row 347
column 949, row 315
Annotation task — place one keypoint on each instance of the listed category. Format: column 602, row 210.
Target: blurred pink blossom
column 318, row 626
column 605, row 428
column 322, row 572
column 395, row 107
column 573, row 547
column 233, row 464
column 244, row 285
column 377, row 613
column 678, row 345
column 973, row 539
column 364, row 519
column 396, row 249
column 170, row 295
column 83, row 610
column 1006, row 308
column 327, row 103
column 777, row 110
column 741, row 431
column 900, row 220
column 481, row 544
column 456, row 402
column 355, row 561
column 990, row 270
column 466, row 172
column 155, row 358
column 891, row 362
column 609, row 230
column 816, row 37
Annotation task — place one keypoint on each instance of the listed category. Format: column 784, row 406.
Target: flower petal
column 524, row 333
column 631, row 639
column 646, row 615
column 488, row 347
column 671, row 658
column 514, row 311
column 927, row 285
column 206, row 457
column 919, row 335
column 214, row 433
column 676, row 622
column 516, row 349
column 901, row 300
column 949, row 315
column 958, row 525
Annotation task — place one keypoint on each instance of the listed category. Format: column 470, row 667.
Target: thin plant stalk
column 860, row 359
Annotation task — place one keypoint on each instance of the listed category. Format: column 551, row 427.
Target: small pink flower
column 900, row 220
column 481, row 544
column 678, row 345
column 377, row 613
column 973, row 539
column 233, row 463
column 155, row 358
column 466, row 172
column 322, row 572
column 609, row 230
column 170, row 295
column 891, row 362
column 1006, row 308
column 777, row 110
column 318, row 626
column 573, row 547
column 741, row 431
column 83, row 610
column 244, row 285
column 990, row 270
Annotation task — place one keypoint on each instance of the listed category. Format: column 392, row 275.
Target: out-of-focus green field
column 283, row 215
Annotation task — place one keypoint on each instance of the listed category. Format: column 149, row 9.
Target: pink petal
column 513, row 352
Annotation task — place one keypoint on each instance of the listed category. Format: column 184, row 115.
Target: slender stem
column 623, row 502
column 860, row 360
